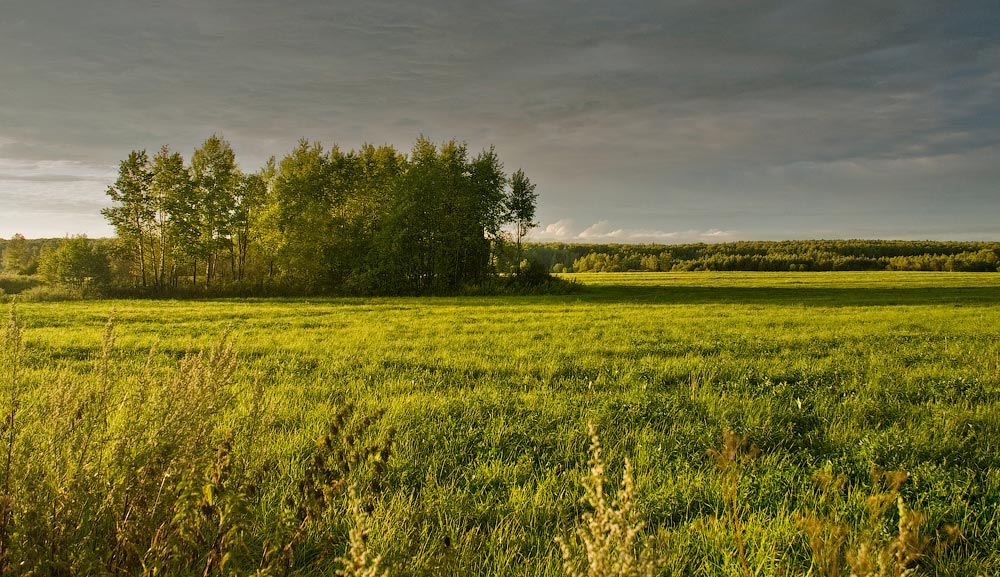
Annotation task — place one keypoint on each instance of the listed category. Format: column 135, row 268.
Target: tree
column 215, row 177
column 521, row 207
column 17, row 257
column 76, row 262
column 133, row 213
column 488, row 184
column 378, row 169
column 370, row 178
column 298, row 213
column 171, row 185
column 183, row 209
column 448, row 235
column 371, row 219
column 445, row 213
column 423, row 245
column 265, row 221
column 251, row 194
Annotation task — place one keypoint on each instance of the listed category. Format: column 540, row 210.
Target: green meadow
column 864, row 411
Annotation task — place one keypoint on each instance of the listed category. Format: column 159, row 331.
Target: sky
column 639, row 120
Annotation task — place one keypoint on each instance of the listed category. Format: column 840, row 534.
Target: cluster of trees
column 806, row 255
column 21, row 256
column 75, row 262
column 368, row 220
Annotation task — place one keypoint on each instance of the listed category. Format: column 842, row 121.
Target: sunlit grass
column 490, row 398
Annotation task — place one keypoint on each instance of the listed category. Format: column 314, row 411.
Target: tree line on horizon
column 357, row 223
column 371, row 220
column 788, row 255
column 76, row 260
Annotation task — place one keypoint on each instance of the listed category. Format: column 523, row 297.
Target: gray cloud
column 772, row 118
column 12, row 178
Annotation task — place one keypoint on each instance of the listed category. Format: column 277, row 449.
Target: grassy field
column 135, row 460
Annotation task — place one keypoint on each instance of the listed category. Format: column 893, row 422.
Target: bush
column 531, row 273
column 50, row 293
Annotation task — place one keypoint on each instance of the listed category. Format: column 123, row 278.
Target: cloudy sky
column 639, row 120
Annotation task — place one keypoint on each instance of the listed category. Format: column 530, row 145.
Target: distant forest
column 789, row 255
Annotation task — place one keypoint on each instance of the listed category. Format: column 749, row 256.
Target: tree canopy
column 370, row 220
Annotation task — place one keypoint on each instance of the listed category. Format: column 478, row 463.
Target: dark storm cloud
column 663, row 120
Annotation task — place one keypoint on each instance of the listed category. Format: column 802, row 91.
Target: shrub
column 50, row 293
column 531, row 273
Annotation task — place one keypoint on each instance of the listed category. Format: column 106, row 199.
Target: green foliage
column 77, row 263
column 215, row 179
column 11, row 351
column 521, row 205
column 531, row 273
column 442, row 217
column 140, row 471
column 18, row 256
column 14, row 284
column 53, row 293
column 301, row 217
column 318, row 221
column 251, row 193
column 175, row 229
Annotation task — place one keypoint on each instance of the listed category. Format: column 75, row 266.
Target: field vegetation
column 666, row 423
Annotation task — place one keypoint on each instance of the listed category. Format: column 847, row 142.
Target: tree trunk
column 232, row 260
column 142, row 257
column 517, row 261
column 161, row 276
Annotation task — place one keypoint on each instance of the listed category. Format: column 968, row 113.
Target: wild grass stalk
column 898, row 555
column 729, row 459
column 609, row 532
column 359, row 561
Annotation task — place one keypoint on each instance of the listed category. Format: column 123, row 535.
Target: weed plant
column 610, row 534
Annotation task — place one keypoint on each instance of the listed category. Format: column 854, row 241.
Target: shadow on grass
column 801, row 296
column 623, row 294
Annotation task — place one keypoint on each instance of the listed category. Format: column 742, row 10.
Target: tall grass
column 119, row 473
